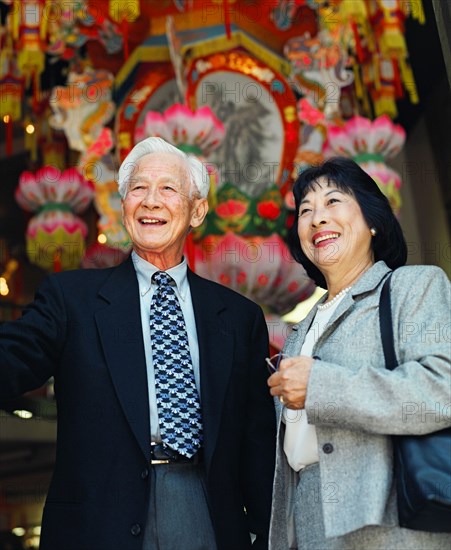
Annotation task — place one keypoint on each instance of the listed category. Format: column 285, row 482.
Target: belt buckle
column 152, row 462
column 156, row 461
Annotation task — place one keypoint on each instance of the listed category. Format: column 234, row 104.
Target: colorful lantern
column 198, row 132
column 11, row 90
column 370, row 143
column 55, row 235
column 10, row 106
column 11, row 96
column 29, row 26
column 261, row 268
column 373, row 33
column 239, row 213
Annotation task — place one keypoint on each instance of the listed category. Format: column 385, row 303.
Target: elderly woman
column 337, row 403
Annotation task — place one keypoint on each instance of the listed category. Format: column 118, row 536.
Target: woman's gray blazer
column 356, row 403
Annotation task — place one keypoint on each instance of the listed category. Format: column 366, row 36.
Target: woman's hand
column 291, row 381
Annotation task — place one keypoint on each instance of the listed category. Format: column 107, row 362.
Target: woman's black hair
column 388, row 244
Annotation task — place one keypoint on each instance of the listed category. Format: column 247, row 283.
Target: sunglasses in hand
column 273, row 362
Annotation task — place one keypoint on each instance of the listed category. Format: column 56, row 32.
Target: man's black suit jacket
column 84, row 328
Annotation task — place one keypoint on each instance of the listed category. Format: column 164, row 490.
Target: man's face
column 157, row 210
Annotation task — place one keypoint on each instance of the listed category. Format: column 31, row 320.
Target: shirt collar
column 145, row 270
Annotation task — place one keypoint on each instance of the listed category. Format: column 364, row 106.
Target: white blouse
column 300, row 443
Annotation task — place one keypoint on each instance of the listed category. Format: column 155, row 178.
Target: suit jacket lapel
column 119, row 325
column 216, row 346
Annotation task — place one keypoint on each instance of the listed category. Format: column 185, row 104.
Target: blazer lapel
column 216, row 345
column 119, row 325
column 296, row 337
column 368, row 282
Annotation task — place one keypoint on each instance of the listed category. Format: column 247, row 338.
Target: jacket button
column 145, row 473
column 328, row 448
column 135, row 529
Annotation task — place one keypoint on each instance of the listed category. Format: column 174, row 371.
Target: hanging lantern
column 199, row 132
column 370, row 143
column 372, row 32
column 259, row 267
column 55, row 234
column 10, row 106
column 11, row 96
column 29, row 25
column 11, row 90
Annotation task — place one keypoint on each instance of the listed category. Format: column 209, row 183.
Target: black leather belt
column 162, row 454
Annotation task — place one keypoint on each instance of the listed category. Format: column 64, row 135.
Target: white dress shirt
column 300, row 443
column 144, row 271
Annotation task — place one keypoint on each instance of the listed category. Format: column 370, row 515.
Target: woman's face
column 332, row 230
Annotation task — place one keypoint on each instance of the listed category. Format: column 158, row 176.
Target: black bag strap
column 386, row 325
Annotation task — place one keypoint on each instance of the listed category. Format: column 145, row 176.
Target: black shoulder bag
column 422, row 462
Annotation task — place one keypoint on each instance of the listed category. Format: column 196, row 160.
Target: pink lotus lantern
column 261, row 268
column 55, row 235
column 369, row 143
column 198, row 132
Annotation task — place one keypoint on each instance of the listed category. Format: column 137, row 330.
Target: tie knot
column 161, row 278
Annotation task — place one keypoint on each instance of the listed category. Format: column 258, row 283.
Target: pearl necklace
column 327, row 305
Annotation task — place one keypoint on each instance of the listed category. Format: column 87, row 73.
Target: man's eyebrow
column 145, row 178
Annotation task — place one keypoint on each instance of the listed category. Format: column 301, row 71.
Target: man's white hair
column 199, row 177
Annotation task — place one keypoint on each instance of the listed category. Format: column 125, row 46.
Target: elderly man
column 165, row 429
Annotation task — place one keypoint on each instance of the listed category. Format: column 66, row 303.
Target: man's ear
column 199, row 211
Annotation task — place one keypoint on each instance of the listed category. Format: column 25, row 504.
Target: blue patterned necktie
column 177, row 397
